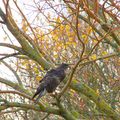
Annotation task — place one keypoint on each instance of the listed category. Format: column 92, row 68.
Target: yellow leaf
column 70, row 39
column 97, row 91
column 24, row 25
column 104, row 53
column 38, row 36
column 67, row 28
column 72, row 91
column 62, row 27
column 86, row 41
column 84, row 36
column 58, row 20
column 38, row 78
column 69, row 34
column 42, row 68
column 56, row 38
column 75, row 81
column 56, row 55
column 79, row 25
column 35, row 69
column 93, row 57
column 74, row 43
column 68, row 43
column 95, row 41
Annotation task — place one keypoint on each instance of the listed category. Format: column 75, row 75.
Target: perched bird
column 50, row 81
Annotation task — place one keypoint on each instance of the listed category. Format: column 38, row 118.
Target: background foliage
column 40, row 34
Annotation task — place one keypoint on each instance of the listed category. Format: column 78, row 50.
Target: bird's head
column 64, row 66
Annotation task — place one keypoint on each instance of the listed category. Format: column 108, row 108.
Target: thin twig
column 10, row 55
column 70, row 79
column 15, row 92
column 100, row 58
column 85, row 63
column 2, row 22
column 45, row 116
column 75, row 67
column 98, row 42
column 14, row 72
column 77, row 31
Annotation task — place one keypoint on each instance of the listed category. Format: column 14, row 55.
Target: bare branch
column 14, row 72
column 10, row 55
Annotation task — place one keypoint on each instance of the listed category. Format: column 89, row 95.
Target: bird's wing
column 51, row 83
column 51, row 71
column 48, row 74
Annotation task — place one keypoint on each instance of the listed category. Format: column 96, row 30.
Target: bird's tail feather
column 34, row 95
column 39, row 90
column 42, row 93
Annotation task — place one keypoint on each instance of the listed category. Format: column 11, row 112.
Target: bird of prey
column 50, row 81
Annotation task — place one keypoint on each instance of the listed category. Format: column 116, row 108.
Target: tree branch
column 26, row 47
column 92, row 95
column 13, row 71
column 10, row 55
column 12, row 47
column 7, row 104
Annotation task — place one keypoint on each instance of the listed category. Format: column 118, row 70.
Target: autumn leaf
column 93, row 57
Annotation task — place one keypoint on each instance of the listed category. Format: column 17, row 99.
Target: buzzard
column 50, row 81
